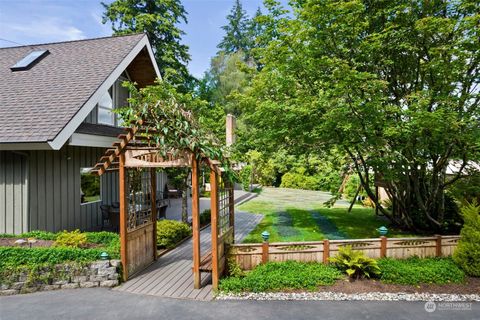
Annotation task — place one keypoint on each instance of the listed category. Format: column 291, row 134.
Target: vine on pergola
column 170, row 124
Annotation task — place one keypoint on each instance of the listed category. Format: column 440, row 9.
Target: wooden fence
column 249, row 256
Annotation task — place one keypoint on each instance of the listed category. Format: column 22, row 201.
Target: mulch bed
column 472, row 286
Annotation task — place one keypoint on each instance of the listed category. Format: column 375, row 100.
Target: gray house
column 56, row 120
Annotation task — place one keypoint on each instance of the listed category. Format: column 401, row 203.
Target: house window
column 89, row 186
column 121, row 97
column 105, row 109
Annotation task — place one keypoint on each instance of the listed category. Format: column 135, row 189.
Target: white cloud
column 43, row 29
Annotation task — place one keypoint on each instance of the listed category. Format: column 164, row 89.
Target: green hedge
column 467, row 254
column 415, row 271
column 170, row 232
column 289, row 275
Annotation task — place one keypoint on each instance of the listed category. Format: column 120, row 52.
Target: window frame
column 100, row 187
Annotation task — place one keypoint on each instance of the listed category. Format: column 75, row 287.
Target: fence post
column 438, row 247
column 265, row 246
column 326, row 250
column 383, row 247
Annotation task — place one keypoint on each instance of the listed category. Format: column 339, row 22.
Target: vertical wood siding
column 40, row 190
column 54, row 192
column 13, row 192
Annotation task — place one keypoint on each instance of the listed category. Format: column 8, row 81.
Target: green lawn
column 303, row 218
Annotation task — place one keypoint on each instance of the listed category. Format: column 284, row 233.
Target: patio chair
column 106, row 225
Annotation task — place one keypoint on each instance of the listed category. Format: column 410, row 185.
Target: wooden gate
column 138, row 218
column 222, row 222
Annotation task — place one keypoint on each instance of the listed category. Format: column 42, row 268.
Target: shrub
column 355, row 264
column 245, row 177
column 299, row 179
column 467, row 254
column 170, row 232
column 233, row 268
column 274, row 276
column 415, row 271
column 74, row 239
column 205, row 217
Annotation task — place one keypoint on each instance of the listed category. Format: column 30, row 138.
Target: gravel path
column 335, row 296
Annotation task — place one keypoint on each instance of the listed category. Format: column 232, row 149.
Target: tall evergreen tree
column 159, row 19
column 236, row 31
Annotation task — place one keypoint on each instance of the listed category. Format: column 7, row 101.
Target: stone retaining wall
column 64, row 276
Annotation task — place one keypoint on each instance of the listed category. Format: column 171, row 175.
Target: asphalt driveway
column 99, row 303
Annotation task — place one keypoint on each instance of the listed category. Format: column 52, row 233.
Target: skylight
column 30, row 60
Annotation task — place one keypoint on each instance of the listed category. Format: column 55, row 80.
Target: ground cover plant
column 73, row 248
column 355, row 264
column 276, row 276
column 416, row 271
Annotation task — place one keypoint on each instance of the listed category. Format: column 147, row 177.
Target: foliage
column 160, row 20
column 73, row 239
column 297, row 179
column 355, row 264
column 416, row 271
column 466, row 189
column 276, row 276
column 233, row 268
column 246, row 177
column 90, row 184
column 236, row 36
column 205, row 217
column 467, row 254
column 170, row 232
column 31, row 260
column 389, row 83
column 171, row 123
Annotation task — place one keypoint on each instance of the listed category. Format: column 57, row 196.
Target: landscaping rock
column 8, row 292
column 70, row 286
column 98, row 278
column 4, row 286
column 336, row 296
column 109, row 283
column 113, row 276
column 107, row 271
column 100, row 264
column 49, row 287
column 61, row 281
column 115, row 263
column 17, row 285
column 79, row 279
column 89, row 284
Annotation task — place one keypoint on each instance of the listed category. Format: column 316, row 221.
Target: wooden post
column 231, row 202
column 383, row 247
column 326, row 250
column 196, row 224
column 214, row 226
column 265, row 251
column 438, row 246
column 123, row 216
column 153, row 202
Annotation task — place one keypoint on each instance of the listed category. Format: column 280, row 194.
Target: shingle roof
column 99, row 130
column 36, row 104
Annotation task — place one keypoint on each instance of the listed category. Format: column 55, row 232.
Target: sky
column 42, row 21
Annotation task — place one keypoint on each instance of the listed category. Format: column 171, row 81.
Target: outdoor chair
column 106, row 225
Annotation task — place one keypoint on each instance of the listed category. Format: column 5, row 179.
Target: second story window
column 105, row 107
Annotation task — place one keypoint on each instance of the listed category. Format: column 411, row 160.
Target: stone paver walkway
column 171, row 276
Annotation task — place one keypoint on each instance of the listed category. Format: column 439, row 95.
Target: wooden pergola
column 136, row 157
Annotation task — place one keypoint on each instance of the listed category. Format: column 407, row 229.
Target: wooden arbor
column 136, row 157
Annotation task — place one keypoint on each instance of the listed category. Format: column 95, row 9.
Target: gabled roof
column 47, row 103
